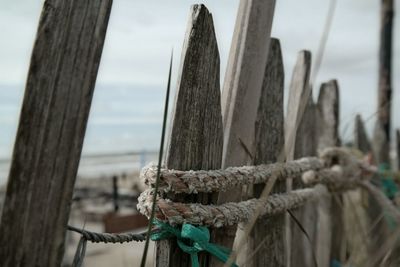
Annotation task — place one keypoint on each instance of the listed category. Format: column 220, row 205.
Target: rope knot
column 191, row 240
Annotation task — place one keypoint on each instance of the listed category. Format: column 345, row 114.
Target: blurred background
column 125, row 121
column 127, row 106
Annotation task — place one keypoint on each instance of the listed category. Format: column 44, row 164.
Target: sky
column 141, row 35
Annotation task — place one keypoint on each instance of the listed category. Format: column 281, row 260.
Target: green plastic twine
column 197, row 237
column 388, row 185
column 390, row 189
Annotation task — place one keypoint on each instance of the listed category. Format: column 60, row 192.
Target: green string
column 388, row 185
column 197, row 237
column 390, row 189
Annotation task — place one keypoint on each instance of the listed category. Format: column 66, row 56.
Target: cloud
column 141, row 34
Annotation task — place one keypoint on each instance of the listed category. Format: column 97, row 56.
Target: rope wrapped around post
column 193, row 182
column 176, row 213
column 333, row 168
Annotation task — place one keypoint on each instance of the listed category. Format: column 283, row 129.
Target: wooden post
column 196, row 135
column 242, row 90
column 56, row 105
column 361, row 141
column 269, row 143
column 302, row 249
column 398, row 148
column 354, row 207
column 297, row 125
column 383, row 123
column 115, row 194
column 330, row 233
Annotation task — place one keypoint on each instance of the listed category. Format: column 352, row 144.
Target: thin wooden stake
column 55, row 110
column 330, row 221
column 269, row 143
column 242, row 90
column 196, row 136
column 382, row 129
column 398, row 148
column 299, row 98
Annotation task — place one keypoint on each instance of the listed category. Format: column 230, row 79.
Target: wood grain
column 299, row 94
column 305, row 146
column 242, row 90
column 196, row 136
column 269, row 143
column 330, row 221
column 48, row 145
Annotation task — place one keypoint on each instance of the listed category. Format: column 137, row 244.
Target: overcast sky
column 141, row 34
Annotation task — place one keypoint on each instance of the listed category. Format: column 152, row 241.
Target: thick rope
column 227, row 213
column 220, row 180
column 337, row 168
column 333, row 178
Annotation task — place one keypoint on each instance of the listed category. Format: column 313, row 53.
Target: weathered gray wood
column 196, row 137
column 305, row 146
column 242, row 90
column 328, row 110
column 361, row 140
column 58, row 94
column 268, row 145
column 382, row 129
column 296, row 117
column 300, row 92
column 330, row 233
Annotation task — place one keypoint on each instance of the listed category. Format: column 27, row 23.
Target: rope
column 333, row 178
column 108, row 238
column 175, row 213
column 99, row 238
column 337, row 168
column 220, row 180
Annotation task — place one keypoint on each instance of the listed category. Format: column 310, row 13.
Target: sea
column 123, row 131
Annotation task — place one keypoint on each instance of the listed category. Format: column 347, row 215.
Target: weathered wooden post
column 302, row 249
column 196, row 136
column 268, row 144
column 242, row 90
column 115, row 194
column 361, row 141
column 299, row 129
column 398, row 148
column 58, row 94
column 382, row 129
column 330, row 221
column 355, row 215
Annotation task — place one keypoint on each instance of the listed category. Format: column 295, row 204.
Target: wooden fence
column 243, row 126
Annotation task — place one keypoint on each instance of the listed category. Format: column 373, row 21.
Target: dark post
column 383, row 123
column 196, row 136
column 269, row 143
column 58, row 95
column 398, row 148
column 115, row 193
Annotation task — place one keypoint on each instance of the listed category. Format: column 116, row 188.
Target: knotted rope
column 176, row 213
column 336, row 168
column 191, row 240
column 220, row 180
